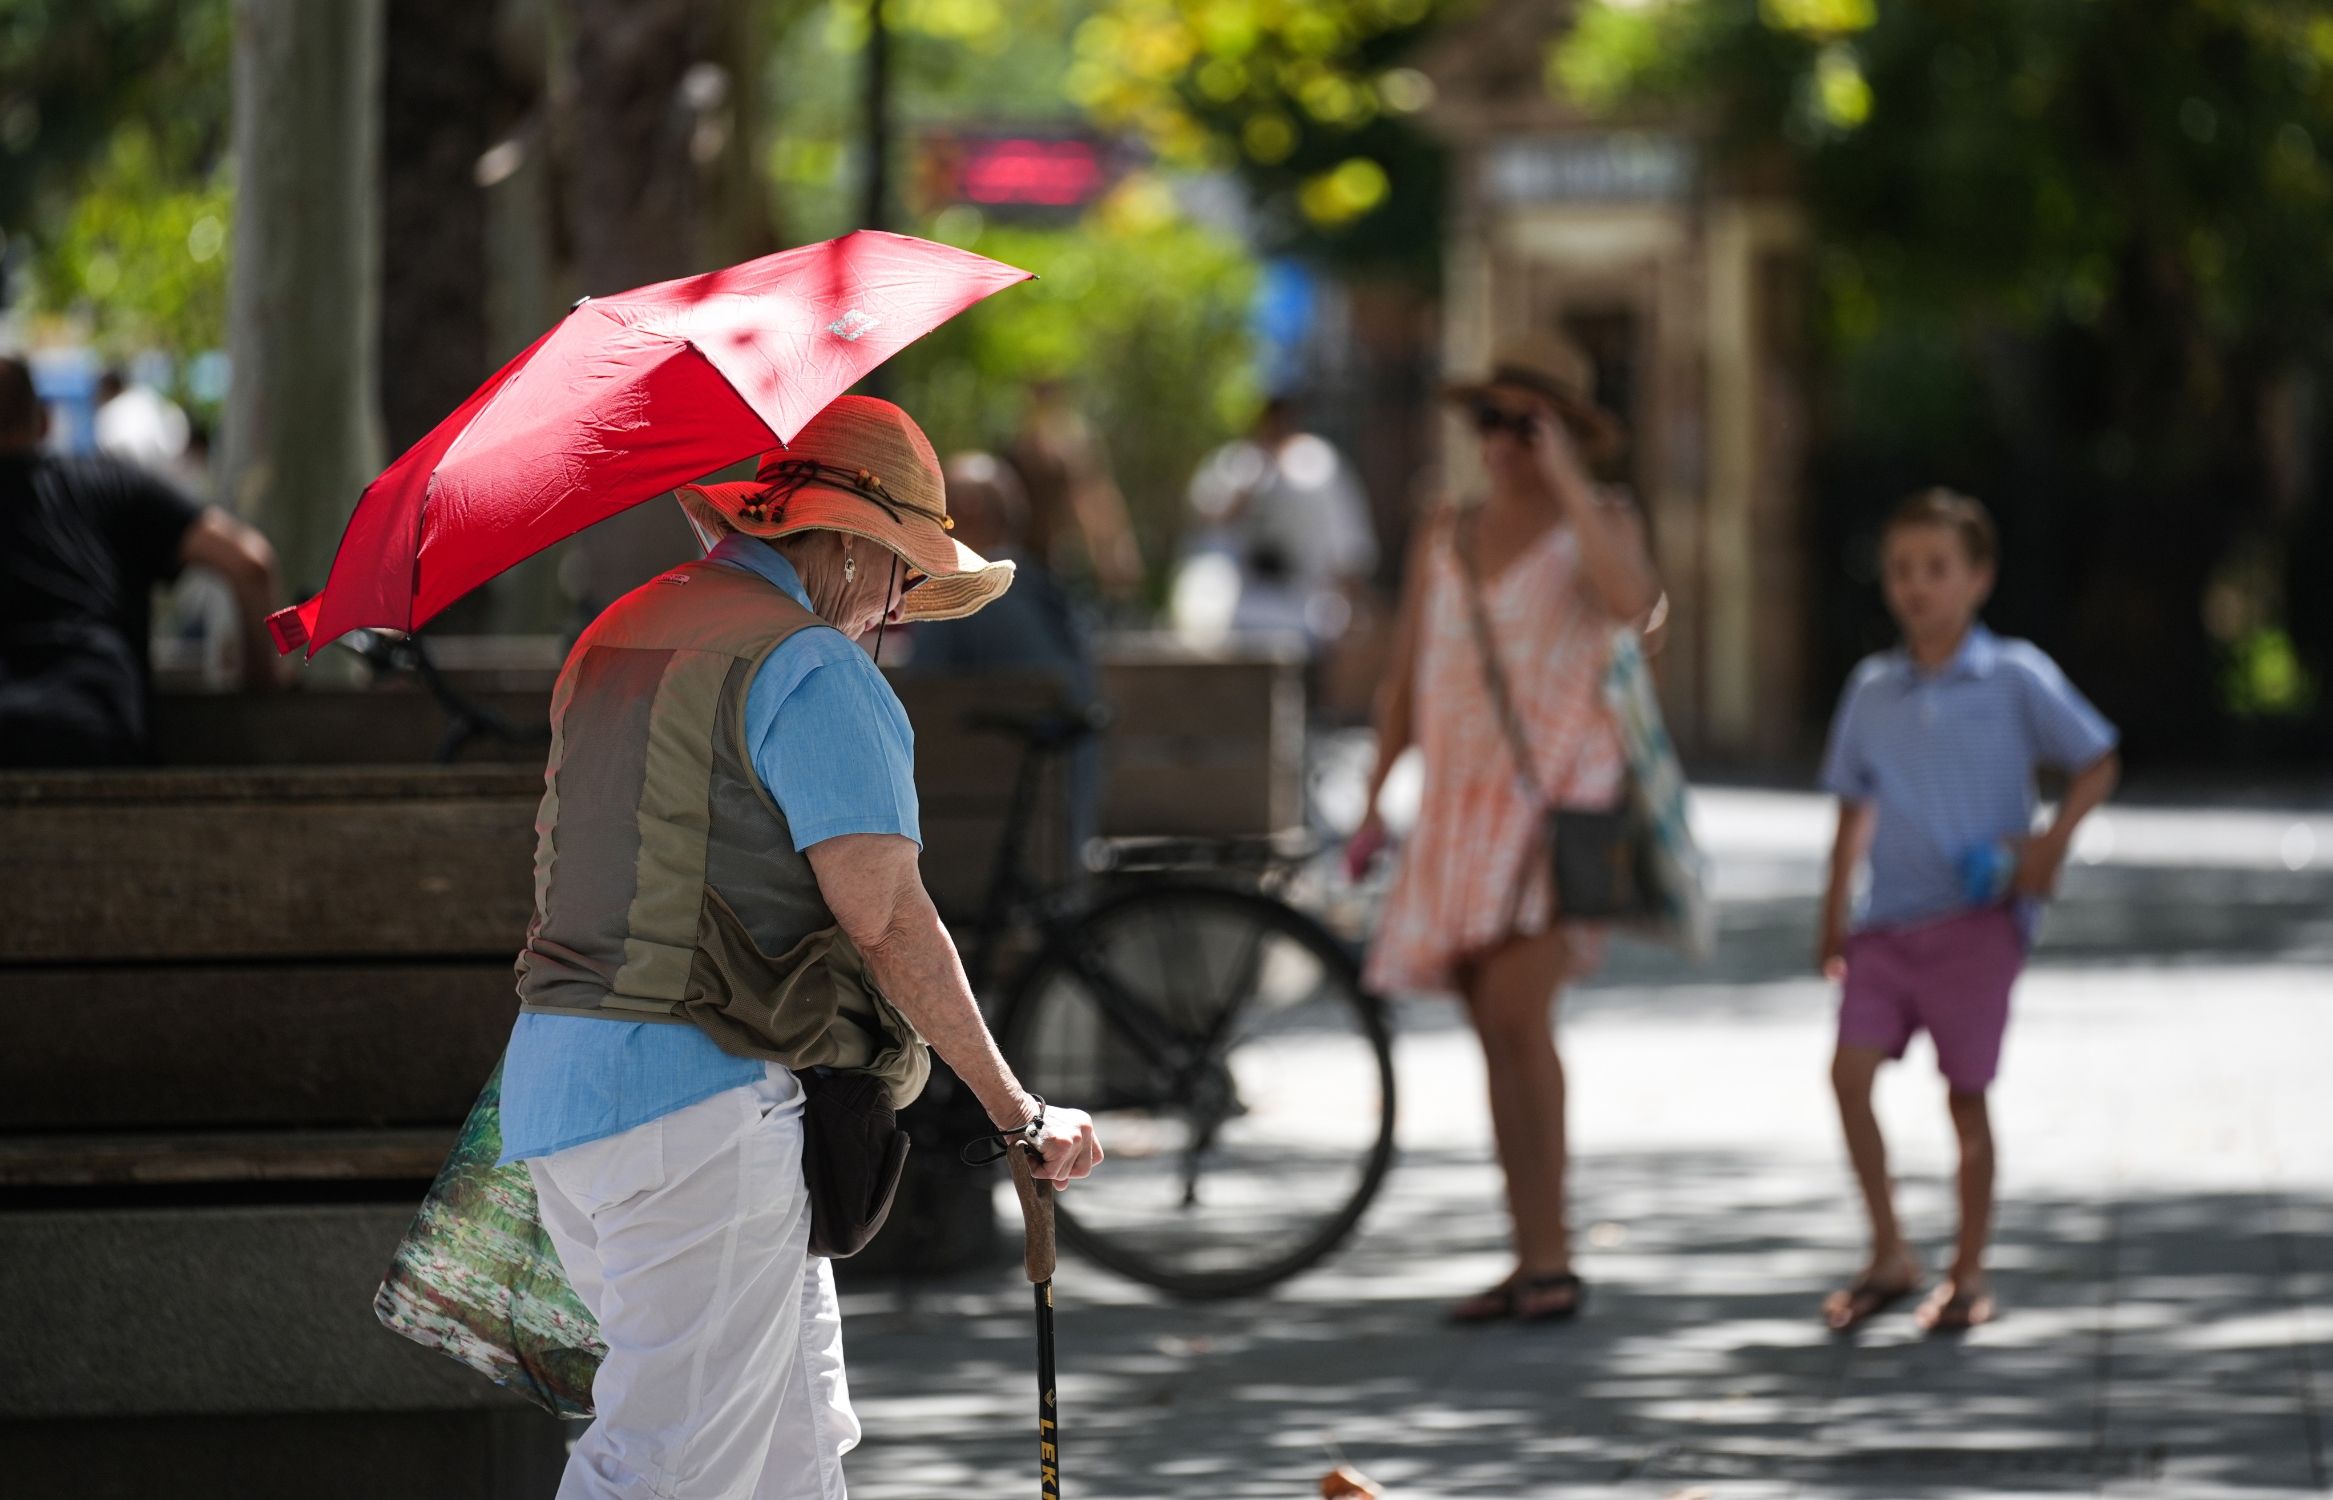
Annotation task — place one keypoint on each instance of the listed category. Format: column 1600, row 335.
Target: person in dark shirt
column 1035, row 628
column 83, row 543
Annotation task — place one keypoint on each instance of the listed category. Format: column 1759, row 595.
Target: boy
column 1932, row 757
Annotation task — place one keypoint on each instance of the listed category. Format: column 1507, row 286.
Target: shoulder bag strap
column 1495, row 677
column 1494, row 671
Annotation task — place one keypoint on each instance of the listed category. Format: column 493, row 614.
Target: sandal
column 1953, row 1310
column 1862, row 1300
column 1506, row 1301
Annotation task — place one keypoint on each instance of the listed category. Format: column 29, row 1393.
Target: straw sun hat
column 862, row 467
column 1554, row 370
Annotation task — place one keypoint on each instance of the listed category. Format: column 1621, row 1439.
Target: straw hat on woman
column 732, row 781
column 1539, row 570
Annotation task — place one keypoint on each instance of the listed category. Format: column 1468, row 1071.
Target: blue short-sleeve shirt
column 1949, row 758
column 832, row 747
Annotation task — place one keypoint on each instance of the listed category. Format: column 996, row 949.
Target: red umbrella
column 625, row 398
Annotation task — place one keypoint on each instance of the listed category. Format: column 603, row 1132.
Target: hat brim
column 957, row 581
column 1598, row 431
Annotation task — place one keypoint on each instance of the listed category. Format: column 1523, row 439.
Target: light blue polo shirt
column 832, row 747
column 1949, row 758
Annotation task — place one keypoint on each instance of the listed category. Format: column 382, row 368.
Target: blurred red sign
column 1007, row 171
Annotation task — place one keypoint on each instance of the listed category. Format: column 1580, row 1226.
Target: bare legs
column 1509, row 998
column 1966, row 1299
column 1853, row 1071
column 1893, row 1270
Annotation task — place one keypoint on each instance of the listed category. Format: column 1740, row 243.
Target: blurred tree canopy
column 1145, row 317
column 1306, row 99
column 113, row 134
column 1141, row 312
column 2076, row 255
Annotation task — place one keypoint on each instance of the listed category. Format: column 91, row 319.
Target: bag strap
column 1494, row 671
column 1495, row 677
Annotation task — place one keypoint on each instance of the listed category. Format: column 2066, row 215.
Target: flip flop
column 1951, row 1310
column 1504, row 1302
column 1861, row 1301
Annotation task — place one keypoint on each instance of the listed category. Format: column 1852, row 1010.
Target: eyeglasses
column 1491, row 419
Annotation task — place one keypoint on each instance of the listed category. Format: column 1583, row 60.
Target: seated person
column 83, row 542
column 1034, row 628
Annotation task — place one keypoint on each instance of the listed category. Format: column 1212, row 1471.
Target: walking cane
column 1037, row 1216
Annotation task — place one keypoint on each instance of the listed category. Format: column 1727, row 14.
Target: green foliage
column 141, row 256
column 1306, row 99
column 2264, row 677
column 73, row 71
column 2064, row 253
column 2021, row 162
column 1144, row 317
column 113, row 136
column 954, row 62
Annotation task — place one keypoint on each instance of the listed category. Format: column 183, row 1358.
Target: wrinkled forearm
column 915, row 963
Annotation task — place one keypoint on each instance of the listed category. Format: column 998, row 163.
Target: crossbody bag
column 1598, row 858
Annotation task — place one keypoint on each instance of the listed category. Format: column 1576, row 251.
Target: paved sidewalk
column 2165, row 1248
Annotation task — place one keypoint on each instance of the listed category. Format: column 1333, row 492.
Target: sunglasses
column 1490, row 419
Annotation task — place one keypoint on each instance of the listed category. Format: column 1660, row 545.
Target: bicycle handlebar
column 1044, row 731
column 388, row 653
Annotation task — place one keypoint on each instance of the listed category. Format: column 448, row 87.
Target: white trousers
column 688, row 1237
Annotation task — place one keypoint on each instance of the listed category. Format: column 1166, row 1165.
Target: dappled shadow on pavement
column 2150, row 1345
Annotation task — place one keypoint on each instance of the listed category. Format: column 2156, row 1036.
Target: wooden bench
column 241, row 1015
column 246, row 1000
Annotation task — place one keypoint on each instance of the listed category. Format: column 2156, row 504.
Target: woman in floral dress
column 1554, row 565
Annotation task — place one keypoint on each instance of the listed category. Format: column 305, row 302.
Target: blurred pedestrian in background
column 84, row 540
column 1539, row 572
column 138, row 423
column 1282, row 541
column 1077, row 515
column 1035, row 628
column 1932, row 756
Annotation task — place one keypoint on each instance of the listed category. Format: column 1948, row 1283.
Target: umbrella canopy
column 627, row 397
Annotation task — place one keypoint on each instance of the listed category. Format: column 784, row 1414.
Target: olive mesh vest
column 667, row 885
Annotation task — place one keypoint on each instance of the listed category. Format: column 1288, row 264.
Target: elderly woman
column 1515, row 596
column 730, row 778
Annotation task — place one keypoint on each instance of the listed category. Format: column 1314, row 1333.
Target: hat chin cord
column 883, row 621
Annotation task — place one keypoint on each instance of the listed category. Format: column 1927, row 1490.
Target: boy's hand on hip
column 1068, row 1146
column 2039, row 860
column 1831, row 954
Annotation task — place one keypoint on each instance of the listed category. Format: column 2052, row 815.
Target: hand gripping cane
column 1037, row 1216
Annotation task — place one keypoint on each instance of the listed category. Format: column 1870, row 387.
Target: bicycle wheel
column 1241, row 1078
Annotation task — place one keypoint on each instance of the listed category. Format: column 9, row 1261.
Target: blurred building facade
column 1685, row 287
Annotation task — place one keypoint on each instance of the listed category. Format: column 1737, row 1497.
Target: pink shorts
column 1950, row 978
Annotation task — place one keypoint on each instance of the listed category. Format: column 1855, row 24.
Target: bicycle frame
column 1017, row 896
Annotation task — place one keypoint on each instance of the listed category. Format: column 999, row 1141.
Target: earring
column 850, row 568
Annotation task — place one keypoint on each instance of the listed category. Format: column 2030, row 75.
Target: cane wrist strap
column 983, row 1149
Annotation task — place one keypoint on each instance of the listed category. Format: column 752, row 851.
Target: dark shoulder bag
column 853, row 1153
column 1597, row 855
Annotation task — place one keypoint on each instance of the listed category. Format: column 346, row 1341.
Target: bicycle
column 389, row 653
column 1241, row 1073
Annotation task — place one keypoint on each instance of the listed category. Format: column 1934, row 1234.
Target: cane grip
column 1036, row 1214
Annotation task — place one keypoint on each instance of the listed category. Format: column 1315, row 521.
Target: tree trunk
column 444, row 103
column 302, row 434
column 656, row 184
